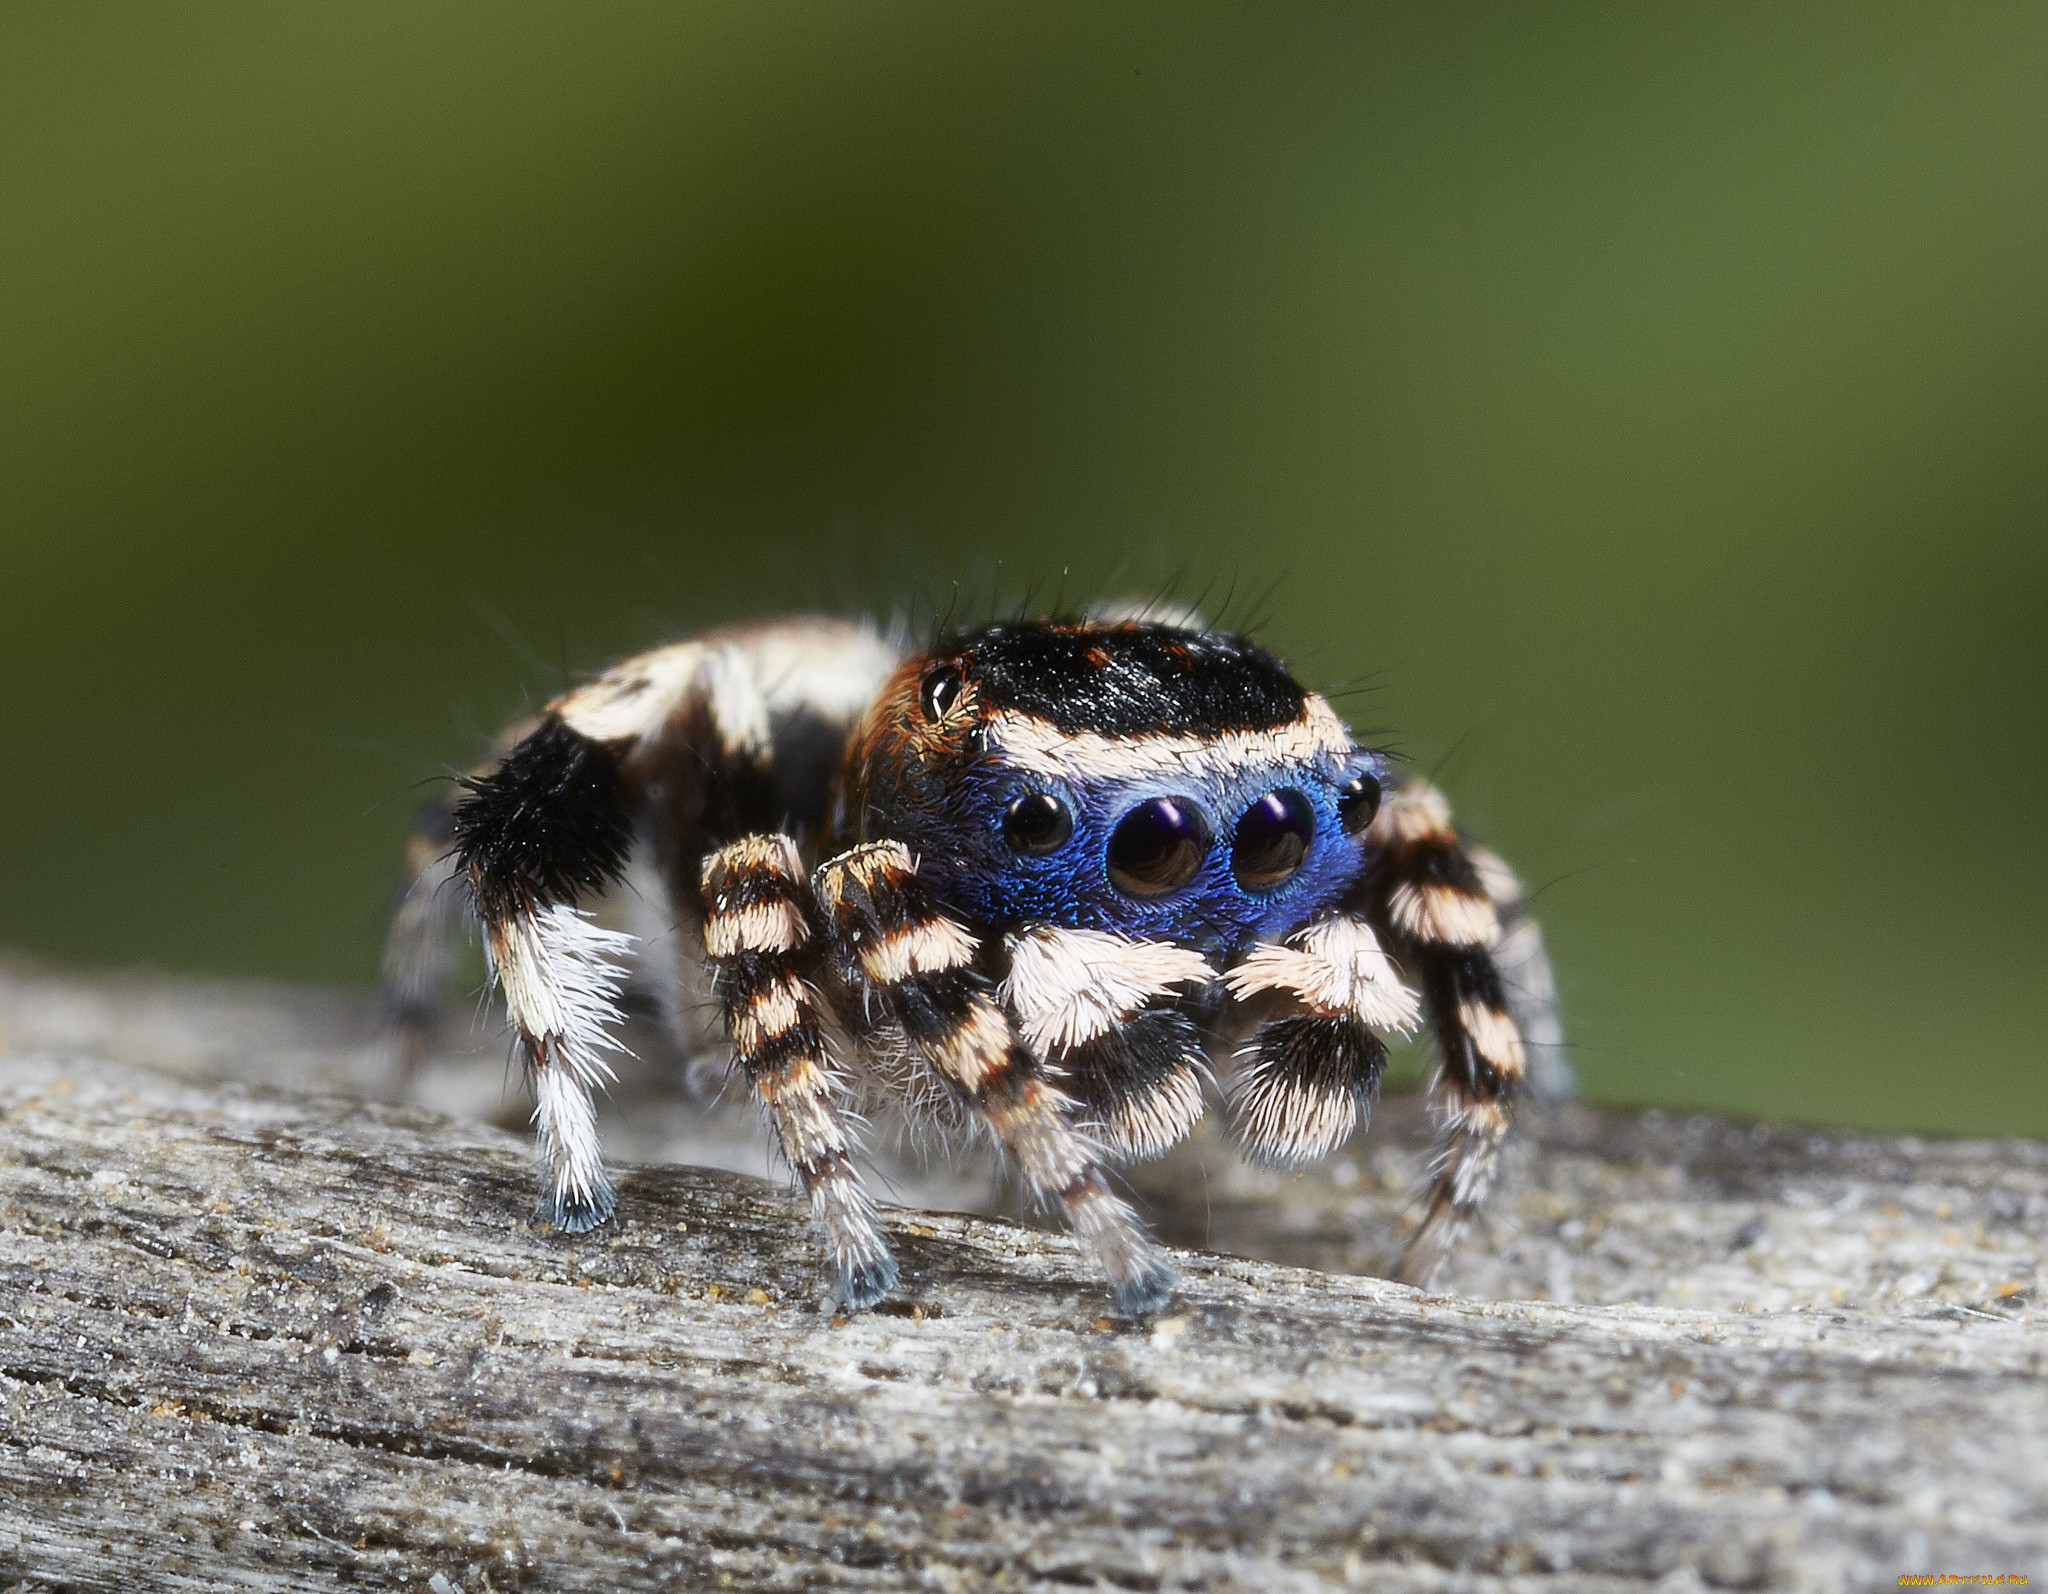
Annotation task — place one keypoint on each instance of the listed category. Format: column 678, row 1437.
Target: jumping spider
column 1049, row 867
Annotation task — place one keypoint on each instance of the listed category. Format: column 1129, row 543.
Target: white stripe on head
column 1039, row 747
column 732, row 694
column 1335, row 966
column 1144, row 611
column 1068, row 987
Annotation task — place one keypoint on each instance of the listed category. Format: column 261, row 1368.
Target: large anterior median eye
column 1272, row 839
column 1037, row 823
column 1157, row 847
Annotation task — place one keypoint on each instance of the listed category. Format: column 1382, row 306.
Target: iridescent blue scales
column 1065, row 873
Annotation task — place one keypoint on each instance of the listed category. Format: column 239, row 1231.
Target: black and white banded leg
column 892, row 942
column 547, row 826
column 1095, row 1007
column 1428, row 894
column 767, row 954
column 1308, row 1076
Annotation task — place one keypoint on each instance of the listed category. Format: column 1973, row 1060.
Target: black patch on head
column 548, row 824
column 1131, row 680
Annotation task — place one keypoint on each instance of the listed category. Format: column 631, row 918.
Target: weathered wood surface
column 263, row 1340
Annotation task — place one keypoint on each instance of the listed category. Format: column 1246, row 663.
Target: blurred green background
column 1646, row 407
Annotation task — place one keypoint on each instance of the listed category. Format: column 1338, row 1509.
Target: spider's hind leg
column 759, row 934
column 551, row 823
column 418, row 945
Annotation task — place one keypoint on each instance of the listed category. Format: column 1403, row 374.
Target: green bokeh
column 1643, row 412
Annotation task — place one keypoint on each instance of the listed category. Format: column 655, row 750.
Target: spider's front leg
column 894, row 942
column 1311, row 1072
column 549, row 824
column 1442, row 907
column 760, row 936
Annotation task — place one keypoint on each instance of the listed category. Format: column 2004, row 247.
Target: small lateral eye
column 1037, row 823
column 1358, row 799
column 943, row 684
column 1272, row 839
column 1157, row 847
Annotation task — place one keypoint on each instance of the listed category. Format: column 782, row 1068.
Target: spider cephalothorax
column 1054, row 864
column 1134, row 779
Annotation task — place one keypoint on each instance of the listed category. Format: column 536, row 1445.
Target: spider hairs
column 1061, row 869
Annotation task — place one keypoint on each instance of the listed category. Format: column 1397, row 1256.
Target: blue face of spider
column 1167, row 784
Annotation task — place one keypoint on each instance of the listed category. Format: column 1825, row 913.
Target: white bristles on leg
column 1334, row 966
column 567, row 1126
column 1069, row 987
column 1467, row 1153
column 1283, row 1122
column 561, row 982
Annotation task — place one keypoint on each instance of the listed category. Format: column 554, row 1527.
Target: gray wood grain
column 257, row 1339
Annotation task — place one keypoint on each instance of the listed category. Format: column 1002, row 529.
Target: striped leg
column 1310, row 1073
column 1426, row 892
column 550, row 823
column 759, row 935
column 1084, row 1002
column 892, row 941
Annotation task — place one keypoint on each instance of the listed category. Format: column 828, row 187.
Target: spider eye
column 1272, row 839
column 1157, row 847
column 1358, row 799
column 1037, row 823
column 943, row 684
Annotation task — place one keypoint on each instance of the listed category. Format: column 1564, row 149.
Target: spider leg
column 1431, row 898
column 549, row 824
column 1310, row 1073
column 893, row 942
column 418, row 945
column 760, row 936
column 1526, row 981
column 1088, row 1003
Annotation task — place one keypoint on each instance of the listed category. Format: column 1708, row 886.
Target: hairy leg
column 548, row 825
column 1427, row 892
column 759, row 934
column 1308, row 1076
column 418, row 945
column 1093, row 1006
column 893, row 943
